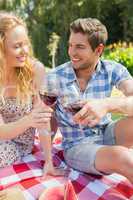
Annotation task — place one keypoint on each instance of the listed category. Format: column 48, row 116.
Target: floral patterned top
column 11, row 111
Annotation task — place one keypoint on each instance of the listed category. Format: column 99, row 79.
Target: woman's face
column 16, row 47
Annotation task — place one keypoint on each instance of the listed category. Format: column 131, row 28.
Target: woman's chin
column 20, row 65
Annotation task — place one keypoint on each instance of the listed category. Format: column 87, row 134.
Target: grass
column 116, row 116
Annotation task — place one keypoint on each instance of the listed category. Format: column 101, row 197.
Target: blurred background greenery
column 121, row 52
column 48, row 22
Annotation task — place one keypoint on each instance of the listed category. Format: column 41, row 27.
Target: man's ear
column 99, row 49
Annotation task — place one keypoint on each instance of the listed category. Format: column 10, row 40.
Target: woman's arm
column 13, row 129
column 37, row 118
column 45, row 138
column 44, row 133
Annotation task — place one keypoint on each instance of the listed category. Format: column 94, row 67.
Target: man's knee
column 110, row 159
column 123, row 131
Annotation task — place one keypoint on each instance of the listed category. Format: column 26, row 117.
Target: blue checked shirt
column 107, row 75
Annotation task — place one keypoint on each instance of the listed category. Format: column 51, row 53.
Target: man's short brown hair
column 93, row 28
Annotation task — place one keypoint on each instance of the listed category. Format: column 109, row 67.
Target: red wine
column 48, row 99
column 73, row 108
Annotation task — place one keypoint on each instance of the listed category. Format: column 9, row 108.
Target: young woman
column 20, row 112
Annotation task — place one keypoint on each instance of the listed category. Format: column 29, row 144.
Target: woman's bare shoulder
column 39, row 72
column 38, row 66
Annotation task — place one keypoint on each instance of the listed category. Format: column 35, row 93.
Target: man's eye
column 17, row 46
column 80, row 47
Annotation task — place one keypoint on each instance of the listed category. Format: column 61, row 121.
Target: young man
column 101, row 147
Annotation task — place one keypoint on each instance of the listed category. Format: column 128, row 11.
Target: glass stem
column 44, row 131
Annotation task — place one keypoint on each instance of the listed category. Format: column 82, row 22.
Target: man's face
column 80, row 51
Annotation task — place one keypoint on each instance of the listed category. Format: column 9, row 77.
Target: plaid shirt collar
column 71, row 73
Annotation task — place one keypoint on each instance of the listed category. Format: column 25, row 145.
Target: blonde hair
column 23, row 75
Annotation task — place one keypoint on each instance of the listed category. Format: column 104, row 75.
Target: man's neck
column 84, row 75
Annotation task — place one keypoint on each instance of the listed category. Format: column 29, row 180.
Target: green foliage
column 121, row 52
column 45, row 17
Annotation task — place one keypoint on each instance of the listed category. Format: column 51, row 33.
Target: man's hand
column 92, row 112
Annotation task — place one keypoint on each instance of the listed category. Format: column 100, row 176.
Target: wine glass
column 72, row 101
column 49, row 90
column 71, row 105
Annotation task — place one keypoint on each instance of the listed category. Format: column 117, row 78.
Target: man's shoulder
column 111, row 65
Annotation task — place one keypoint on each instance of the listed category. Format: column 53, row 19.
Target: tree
column 47, row 17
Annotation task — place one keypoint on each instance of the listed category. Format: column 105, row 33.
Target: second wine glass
column 72, row 101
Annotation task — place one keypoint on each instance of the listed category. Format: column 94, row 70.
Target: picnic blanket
column 27, row 176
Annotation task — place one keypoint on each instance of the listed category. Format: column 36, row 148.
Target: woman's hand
column 40, row 116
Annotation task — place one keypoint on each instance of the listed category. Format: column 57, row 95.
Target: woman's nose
column 25, row 50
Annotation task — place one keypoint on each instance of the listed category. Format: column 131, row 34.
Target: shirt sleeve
column 119, row 74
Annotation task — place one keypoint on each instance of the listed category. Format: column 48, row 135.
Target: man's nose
column 72, row 51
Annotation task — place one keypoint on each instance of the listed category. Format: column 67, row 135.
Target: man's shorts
column 82, row 156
